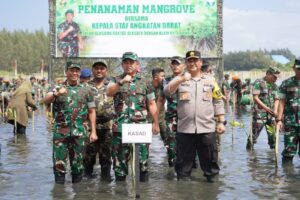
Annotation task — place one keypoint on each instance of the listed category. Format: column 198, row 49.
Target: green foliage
column 26, row 47
column 259, row 59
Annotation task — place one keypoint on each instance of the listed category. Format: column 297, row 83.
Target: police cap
column 192, row 54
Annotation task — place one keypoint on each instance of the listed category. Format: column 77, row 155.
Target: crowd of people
column 186, row 108
column 273, row 107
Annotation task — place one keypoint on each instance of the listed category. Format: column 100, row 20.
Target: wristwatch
column 222, row 122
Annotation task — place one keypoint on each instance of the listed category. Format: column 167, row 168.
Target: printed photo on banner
column 103, row 28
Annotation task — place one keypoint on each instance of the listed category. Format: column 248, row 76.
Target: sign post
column 136, row 134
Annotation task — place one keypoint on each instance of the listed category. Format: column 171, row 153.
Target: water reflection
column 26, row 171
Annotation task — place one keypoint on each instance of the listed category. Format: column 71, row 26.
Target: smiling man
column 199, row 104
column 133, row 98
column 104, row 117
column 73, row 105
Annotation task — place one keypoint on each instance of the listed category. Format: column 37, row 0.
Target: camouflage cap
column 71, row 64
column 177, row 59
column 274, row 71
column 100, row 62
column 192, row 54
column 130, row 55
column 71, row 11
column 297, row 63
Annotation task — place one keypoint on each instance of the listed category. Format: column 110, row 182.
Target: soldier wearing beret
column 73, row 106
column 104, row 120
column 289, row 114
column 199, row 104
column 69, row 37
column 266, row 100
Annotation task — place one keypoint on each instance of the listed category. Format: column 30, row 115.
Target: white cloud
column 261, row 29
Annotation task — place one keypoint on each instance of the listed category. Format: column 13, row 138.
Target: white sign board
column 136, row 133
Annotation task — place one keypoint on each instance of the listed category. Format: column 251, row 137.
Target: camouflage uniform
column 70, row 113
column 225, row 85
column 130, row 104
column 161, row 118
column 69, row 45
column 268, row 93
column 171, row 122
column 289, row 91
column 236, row 89
column 103, row 146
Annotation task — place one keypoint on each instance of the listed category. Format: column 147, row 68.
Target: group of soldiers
column 89, row 108
column 107, row 103
column 273, row 107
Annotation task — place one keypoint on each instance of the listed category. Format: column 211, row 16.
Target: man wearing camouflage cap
column 289, row 113
column 69, row 36
column 177, row 66
column 133, row 98
column 73, row 106
column 266, row 100
column 104, row 120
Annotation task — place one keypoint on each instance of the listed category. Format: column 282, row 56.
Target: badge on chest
column 184, row 96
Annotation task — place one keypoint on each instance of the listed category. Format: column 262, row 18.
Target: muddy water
column 26, row 171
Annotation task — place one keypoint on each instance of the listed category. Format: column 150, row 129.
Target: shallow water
column 26, row 171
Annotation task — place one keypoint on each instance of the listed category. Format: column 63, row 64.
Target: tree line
column 27, row 48
column 30, row 48
column 259, row 59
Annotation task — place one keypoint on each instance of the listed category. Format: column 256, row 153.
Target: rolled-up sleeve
column 90, row 98
column 282, row 91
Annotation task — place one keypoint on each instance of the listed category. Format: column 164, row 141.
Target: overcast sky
column 248, row 24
